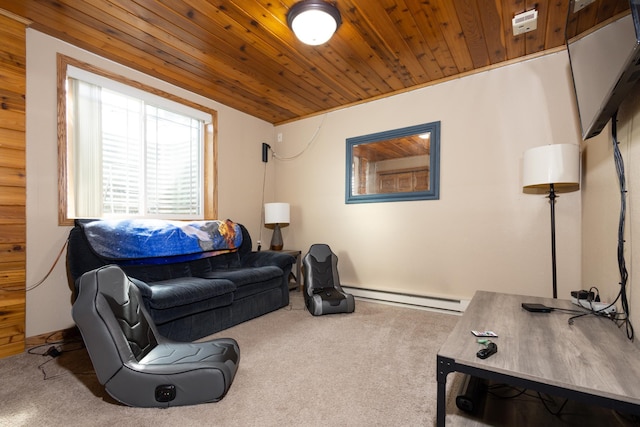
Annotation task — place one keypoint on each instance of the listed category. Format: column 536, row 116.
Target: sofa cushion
column 243, row 276
column 159, row 272
column 187, row 290
column 174, row 299
column 256, row 288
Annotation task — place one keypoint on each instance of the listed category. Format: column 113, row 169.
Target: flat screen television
column 605, row 65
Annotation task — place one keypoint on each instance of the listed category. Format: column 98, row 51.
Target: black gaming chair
column 322, row 291
column 137, row 366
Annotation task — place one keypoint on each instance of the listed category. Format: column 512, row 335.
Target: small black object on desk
column 492, row 348
column 536, row 308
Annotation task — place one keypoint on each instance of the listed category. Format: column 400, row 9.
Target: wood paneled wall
column 12, row 185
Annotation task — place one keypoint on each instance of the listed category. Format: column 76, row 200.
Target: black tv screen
column 605, row 65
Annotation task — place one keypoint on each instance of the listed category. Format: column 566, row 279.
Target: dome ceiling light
column 313, row 21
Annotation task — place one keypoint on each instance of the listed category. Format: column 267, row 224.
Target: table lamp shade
column 557, row 164
column 276, row 213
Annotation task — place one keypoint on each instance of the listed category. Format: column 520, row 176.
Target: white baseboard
column 447, row 305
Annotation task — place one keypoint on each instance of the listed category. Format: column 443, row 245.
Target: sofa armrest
column 267, row 258
column 145, row 290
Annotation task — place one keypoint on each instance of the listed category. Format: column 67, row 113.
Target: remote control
column 492, row 348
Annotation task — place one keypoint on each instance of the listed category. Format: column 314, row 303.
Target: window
column 129, row 150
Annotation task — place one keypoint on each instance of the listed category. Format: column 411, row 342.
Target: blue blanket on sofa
column 136, row 239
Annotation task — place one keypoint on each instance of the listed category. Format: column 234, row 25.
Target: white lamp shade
column 276, row 213
column 557, row 164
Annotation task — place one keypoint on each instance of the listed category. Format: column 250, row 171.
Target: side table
column 297, row 284
column 538, row 351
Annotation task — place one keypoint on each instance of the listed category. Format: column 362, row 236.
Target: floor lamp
column 553, row 168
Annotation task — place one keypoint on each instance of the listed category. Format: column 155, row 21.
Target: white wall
column 240, row 175
column 601, row 207
column 484, row 232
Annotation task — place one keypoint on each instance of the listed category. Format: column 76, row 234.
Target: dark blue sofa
column 188, row 300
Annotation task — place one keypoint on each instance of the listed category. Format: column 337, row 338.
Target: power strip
column 595, row 306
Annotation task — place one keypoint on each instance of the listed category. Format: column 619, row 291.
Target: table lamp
column 552, row 168
column 276, row 214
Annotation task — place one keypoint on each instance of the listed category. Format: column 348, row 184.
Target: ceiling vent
column 525, row 22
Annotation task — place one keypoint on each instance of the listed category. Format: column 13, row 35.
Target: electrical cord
column 306, row 147
column 556, row 413
column 46, row 276
column 55, row 262
column 623, row 320
column 53, row 350
column 546, row 400
column 57, row 345
column 284, row 158
column 492, row 391
column 592, row 311
column 568, row 310
column 264, row 183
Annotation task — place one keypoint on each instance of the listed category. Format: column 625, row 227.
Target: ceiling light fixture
column 314, row 21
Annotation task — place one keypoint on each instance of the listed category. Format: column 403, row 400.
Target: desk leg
column 444, row 366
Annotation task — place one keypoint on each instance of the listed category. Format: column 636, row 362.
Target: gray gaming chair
column 322, row 291
column 137, row 366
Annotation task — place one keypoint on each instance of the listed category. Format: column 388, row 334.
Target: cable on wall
column 283, row 158
column 260, row 227
column 306, row 147
column 55, row 262
column 46, row 276
column 624, row 318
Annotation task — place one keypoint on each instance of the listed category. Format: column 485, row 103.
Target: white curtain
column 129, row 158
column 85, row 141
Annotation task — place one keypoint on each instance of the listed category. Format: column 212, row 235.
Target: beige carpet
column 374, row 367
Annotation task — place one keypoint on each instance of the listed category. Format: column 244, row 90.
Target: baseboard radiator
column 448, row 305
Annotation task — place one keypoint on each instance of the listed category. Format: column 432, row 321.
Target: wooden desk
column 591, row 360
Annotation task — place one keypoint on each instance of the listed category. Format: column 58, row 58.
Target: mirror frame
column 434, row 165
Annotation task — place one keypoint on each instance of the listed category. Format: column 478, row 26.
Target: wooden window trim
column 210, row 136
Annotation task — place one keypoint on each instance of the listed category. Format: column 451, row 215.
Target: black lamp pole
column 545, row 166
column 552, row 201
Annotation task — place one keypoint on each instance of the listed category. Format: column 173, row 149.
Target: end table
column 297, row 283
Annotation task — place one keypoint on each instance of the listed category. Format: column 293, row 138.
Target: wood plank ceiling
column 241, row 52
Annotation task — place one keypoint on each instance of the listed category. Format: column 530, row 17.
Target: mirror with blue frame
column 396, row 165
